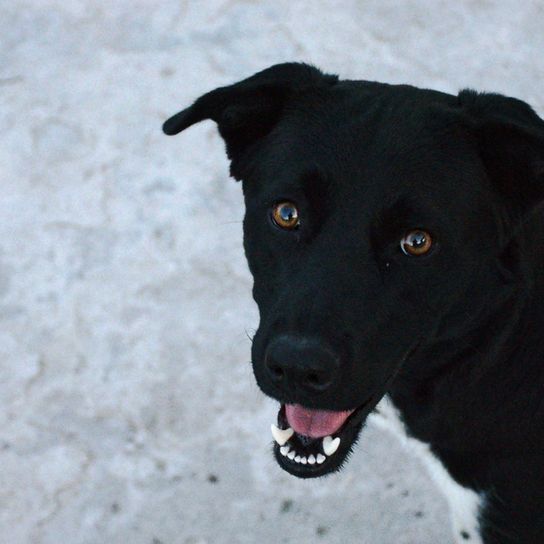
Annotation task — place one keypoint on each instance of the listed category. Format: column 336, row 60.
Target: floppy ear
column 510, row 139
column 248, row 110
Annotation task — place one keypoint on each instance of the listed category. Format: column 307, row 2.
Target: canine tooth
column 297, row 459
column 291, row 455
column 281, row 436
column 311, row 460
column 320, row 458
column 284, row 450
column 330, row 445
column 303, row 460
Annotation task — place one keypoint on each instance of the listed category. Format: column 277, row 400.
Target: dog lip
column 329, row 451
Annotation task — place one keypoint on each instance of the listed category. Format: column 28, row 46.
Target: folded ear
column 248, row 110
column 510, row 139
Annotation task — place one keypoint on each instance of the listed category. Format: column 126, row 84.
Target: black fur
column 455, row 336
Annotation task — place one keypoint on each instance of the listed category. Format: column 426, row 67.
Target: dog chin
column 309, row 457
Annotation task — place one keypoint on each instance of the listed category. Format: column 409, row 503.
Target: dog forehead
column 381, row 140
column 352, row 116
column 360, row 107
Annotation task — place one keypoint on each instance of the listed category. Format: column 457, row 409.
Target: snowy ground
column 129, row 411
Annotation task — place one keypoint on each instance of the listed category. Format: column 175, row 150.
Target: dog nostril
column 277, row 372
column 317, row 381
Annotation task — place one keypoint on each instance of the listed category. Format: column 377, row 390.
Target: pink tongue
column 314, row 423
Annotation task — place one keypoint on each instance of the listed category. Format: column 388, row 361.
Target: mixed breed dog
column 395, row 237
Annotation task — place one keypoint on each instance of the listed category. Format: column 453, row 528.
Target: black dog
column 396, row 243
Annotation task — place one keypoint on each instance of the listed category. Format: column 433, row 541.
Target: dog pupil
column 418, row 239
column 287, row 213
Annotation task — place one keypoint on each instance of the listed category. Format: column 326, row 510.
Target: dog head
column 380, row 226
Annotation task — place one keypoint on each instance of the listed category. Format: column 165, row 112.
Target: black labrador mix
column 395, row 239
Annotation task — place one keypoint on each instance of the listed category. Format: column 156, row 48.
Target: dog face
column 379, row 228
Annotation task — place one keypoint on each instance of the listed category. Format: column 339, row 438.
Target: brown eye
column 285, row 215
column 416, row 243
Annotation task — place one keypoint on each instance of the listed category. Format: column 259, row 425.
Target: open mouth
column 310, row 443
column 313, row 442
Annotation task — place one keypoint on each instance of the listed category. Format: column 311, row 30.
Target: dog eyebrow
column 310, row 180
column 313, row 179
column 315, row 184
column 404, row 211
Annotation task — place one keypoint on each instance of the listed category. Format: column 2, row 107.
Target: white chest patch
column 464, row 503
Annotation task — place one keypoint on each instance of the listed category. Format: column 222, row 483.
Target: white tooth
column 303, row 460
column 291, row 455
column 281, row 436
column 284, row 450
column 320, row 458
column 330, row 445
column 297, row 459
column 311, row 460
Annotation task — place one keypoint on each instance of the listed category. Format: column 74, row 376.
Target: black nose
column 295, row 362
